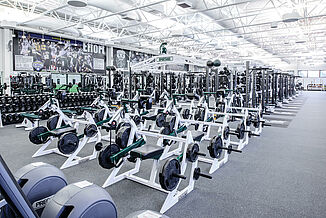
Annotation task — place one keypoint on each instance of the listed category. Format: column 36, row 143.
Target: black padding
column 59, row 132
column 147, row 152
column 149, row 117
column 197, row 136
column 190, row 96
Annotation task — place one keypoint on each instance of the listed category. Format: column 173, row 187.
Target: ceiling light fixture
column 274, row 25
column 184, row 4
column 291, row 17
column 80, row 26
column 77, row 3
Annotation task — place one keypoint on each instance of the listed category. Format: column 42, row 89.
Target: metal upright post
column 208, row 70
column 161, row 83
column 142, row 80
column 130, row 83
column 247, row 84
column 267, row 87
column 216, row 79
column 280, row 88
column 253, row 98
column 171, row 84
column 110, row 79
column 263, row 89
column 184, row 83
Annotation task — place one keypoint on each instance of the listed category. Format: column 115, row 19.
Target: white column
column 109, row 56
column 1, row 55
column 6, row 63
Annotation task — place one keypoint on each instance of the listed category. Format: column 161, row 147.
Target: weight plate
column 160, row 118
column 90, row 130
column 192, row 152
column 196, row 173
column 167, row 178
column 68, row 143
column 200, row 114
column 249, row 119
column 99, row 115
column 149, row 103
column 33, row 135
column 98, row 146
column 141, row 103
column 257, row 121
column 122, row 136
column 240, row 130
column 215, row 146
column 186, row 113
column 226, row 133
column 52, row 122
column 137, row 119
column 121, row 124
column 104, row 156
column 165, row 131
column 169, row 122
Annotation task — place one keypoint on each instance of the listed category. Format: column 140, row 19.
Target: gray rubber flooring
column 280, row 174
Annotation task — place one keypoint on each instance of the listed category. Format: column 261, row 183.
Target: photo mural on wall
column 121, row 57
column 42, row 52
column 137, row 57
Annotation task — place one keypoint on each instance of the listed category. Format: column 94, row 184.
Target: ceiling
column 231, row 30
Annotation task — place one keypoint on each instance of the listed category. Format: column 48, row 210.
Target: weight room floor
column 280, row 174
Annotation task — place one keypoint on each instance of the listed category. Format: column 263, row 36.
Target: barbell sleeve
column 179, row 176
column 204, row 175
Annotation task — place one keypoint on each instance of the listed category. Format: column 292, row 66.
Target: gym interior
column 181, row 108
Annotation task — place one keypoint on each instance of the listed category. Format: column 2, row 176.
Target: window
column 322, row 73
column 303, row 73
column 313, row 73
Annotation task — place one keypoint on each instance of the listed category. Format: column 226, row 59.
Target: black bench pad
column 147, row 152
column 59, row 132
column 149, row 117
column 197, row 136
column 30, row 116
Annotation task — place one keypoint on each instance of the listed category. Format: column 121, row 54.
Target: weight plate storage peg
column 98, row 146
column 104, row 156
column 68, row 143
column 169, row 176
column 197, row 174
column 36, row 132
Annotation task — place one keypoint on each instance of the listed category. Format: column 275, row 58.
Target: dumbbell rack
column 15, row 105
